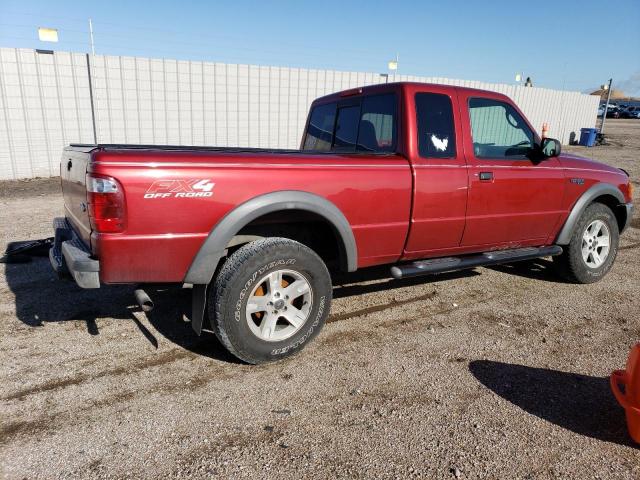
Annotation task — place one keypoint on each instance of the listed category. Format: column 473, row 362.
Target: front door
column 513, row 200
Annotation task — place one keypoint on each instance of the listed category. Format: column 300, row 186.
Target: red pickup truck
column 425, row 178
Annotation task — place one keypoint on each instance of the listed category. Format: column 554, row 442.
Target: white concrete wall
column 45, row 104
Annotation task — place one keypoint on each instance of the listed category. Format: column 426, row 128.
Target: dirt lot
column 492, row 373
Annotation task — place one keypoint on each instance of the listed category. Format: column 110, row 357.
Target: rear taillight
column 106, row 204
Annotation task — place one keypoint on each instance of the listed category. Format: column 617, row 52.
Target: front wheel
column 270, row 299
column 593, row 246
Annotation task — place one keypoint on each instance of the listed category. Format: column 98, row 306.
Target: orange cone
column 630, row 399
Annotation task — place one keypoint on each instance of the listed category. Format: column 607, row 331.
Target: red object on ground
column 630, row 399
column 144, row 212
column 452, row 177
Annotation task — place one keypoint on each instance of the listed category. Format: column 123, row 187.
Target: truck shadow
column 40, row 297
column 580, row 403
column 377, row 279
column 539, row 269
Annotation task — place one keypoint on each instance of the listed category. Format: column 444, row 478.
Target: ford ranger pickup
column 424, row 178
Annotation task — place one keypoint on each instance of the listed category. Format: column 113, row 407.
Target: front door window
column 498, row 130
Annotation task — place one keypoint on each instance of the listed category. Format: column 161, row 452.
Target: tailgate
column 73, row 170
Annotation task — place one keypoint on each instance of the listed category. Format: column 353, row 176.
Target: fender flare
column 212, row 250
column 597, row 190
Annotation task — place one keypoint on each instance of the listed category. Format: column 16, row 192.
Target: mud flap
column 198, row 305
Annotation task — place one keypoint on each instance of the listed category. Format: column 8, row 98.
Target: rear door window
column 436, row 128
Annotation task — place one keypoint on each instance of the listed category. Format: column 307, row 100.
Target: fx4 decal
column 176, row 188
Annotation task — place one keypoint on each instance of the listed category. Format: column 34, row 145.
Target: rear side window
column 362, row 125
column 320, row 131
column 436, row 129
column 377, row 130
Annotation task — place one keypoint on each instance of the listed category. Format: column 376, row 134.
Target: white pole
column 93, row 49
column 606, row 107
column 93, row 54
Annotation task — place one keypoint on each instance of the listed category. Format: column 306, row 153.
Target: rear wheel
column 270, row 299
column 593, row 246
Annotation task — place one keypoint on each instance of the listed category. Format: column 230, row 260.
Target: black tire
column 571, row 265
column 239, row 277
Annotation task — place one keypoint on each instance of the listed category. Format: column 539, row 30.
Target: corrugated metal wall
column 45, row 104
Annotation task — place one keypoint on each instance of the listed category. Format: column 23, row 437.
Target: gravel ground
column 491, row 373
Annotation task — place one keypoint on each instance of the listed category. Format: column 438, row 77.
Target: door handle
column 486, row 176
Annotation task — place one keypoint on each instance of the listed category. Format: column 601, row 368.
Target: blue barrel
column 588, row 137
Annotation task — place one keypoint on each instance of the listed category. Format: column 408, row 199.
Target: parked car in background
column 613, row 110
column 630, row 112
column 613, row 113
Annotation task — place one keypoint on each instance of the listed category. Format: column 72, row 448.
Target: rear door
column 512, row 199
column 439, row 170
column 73, row 171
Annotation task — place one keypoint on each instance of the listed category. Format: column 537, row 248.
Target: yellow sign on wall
column 47, row 34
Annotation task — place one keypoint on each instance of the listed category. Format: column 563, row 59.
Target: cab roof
column 404, row 86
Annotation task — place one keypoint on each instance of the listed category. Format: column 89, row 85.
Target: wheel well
column 303, row 226
column 614, row 204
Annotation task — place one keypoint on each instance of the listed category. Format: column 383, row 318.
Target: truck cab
column 480, row 179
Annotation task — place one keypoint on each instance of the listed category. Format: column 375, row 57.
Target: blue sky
column 574, row 45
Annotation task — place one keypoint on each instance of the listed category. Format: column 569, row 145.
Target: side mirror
column 550, row 147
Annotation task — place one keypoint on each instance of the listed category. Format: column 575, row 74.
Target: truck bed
column 86, row 148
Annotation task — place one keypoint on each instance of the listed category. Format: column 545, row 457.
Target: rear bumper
column 69, row 256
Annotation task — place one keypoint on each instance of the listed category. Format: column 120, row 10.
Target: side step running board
column 452, row 264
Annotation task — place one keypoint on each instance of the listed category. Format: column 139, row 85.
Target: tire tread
column 570, row 265
column 221, row 285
